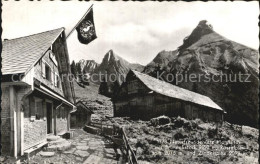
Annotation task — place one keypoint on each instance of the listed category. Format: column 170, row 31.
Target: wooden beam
column 13, row 110
column 22, row 133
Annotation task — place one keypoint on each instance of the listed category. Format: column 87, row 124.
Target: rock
column 47, row 153
column 139, row 151
column 78, row 159
column 180, row 122
column 180, row 134
column 92, row 159
column 56, row 142
column 60, row 147
column 249, row 132
column 2, row 159
column 83, row 147
column 70, row 151
column 161, row 120
column 206, row 126
column 81, row 153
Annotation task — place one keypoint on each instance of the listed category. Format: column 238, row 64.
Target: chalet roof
column 84, row 106
column 20, row 53
column 170, row 90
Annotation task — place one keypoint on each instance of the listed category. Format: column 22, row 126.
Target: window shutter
column 43, row 69
column 55, row 79
column 52, row 77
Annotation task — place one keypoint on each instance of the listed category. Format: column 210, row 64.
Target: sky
column 136, row 31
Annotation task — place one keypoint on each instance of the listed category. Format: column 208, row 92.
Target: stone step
column 53, row 138
column 47, row 153
column 92, row 159
column 56, row 142
column 59, row 147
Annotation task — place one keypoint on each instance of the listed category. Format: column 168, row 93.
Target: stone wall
column 34, row 131
column 5, row 118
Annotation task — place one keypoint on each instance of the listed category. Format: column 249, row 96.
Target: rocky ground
column 177, row 140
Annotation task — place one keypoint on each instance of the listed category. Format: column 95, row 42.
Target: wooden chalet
column 82, row 116
column 37, row 96
column 143, row 97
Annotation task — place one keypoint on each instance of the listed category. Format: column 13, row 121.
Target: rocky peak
column 110, row 56
column 203, row 28
column 87, row 66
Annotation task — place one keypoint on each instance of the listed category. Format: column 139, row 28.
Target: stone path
column 86, row 148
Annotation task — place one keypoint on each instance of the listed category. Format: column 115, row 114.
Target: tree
column 115, row 89
column 78, row 67
column 103, row 88
column 73, row 68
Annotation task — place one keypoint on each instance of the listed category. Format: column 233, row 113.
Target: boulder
column 47, row 153
column 161, row 120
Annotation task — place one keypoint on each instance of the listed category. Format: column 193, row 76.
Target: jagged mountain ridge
column 111, row 63
column 114, row 64
column 205, row 52
column 87, row 66
column 111, row 70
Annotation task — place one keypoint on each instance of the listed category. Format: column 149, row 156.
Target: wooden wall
column 80, row 118
column 153, row 105
column 38, row 73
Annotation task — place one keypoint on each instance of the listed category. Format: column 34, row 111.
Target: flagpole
column 79, row 22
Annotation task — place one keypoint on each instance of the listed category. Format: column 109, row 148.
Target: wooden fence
column 129, row 151
column 108, row 129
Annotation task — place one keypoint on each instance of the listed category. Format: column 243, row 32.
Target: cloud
column 137, row 31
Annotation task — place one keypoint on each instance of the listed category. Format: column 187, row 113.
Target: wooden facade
column 135, row 99
column 81, row 117
column 39, row 103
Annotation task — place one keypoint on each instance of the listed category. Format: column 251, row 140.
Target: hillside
column 208, row 55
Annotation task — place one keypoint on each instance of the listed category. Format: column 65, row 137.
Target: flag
column 86, row 28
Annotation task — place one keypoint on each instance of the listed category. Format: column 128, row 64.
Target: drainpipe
column 55, row 118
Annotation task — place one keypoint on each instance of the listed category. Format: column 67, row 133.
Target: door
column 49, row 117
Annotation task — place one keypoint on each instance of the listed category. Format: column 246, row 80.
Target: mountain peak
column 204, row 25
column 109, row 56
column 203, row 28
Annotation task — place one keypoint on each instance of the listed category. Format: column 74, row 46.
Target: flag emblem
column 86, row 28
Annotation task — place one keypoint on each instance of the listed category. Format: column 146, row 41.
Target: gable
column 18, row 55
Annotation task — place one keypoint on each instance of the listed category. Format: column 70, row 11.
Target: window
column 48, row 72
column 38, row 110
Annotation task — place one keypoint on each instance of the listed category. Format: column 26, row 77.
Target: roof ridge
column 156, row 78
column 33, row 34
column 171, row 85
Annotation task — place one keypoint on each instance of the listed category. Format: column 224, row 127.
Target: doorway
column 49, row 117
